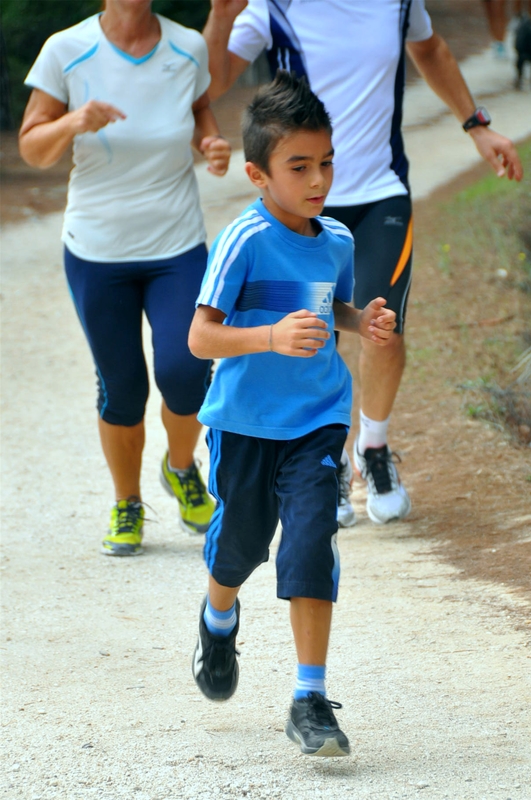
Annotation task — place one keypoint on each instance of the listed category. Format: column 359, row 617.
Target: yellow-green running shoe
column 125, row 529
column 195, row 504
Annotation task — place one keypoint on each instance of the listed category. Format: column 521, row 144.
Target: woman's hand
column 216, row 150
column 48, row 128
column 93, row 116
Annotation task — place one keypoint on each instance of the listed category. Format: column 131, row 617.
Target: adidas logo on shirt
column 326, row 303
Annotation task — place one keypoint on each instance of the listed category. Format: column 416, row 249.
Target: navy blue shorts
column 110, row 299
column 383, row 238
column 258, row 482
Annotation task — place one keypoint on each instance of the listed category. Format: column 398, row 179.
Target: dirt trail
column 433, row 671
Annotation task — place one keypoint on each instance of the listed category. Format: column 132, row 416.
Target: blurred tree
column 26, row 24
column 6, row 120
column 191, row 13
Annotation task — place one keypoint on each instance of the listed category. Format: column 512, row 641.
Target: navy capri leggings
column 110, row 298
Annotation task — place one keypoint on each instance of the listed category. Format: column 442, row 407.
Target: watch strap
column 479, row 117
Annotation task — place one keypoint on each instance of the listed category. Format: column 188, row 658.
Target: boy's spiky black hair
column 285, row 106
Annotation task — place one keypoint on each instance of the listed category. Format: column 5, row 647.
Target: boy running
column 278, row 283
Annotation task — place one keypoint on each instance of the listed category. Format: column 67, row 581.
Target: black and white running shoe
column 386, row 497
column 214, row 666
column 313, row 726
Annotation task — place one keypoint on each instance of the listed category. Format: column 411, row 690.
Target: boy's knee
column 235, row 573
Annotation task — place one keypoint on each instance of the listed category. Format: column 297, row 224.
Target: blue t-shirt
column 259, row 271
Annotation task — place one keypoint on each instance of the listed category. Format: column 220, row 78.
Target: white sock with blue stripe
column 310, row 678
column 220, row 623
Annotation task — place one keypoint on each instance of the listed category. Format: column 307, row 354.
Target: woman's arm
column 207, row 138
column 299, row 334
column 48, row 128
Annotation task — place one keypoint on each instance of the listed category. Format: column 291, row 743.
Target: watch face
column 482, row 115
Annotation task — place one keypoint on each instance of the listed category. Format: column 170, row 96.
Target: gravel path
column 99, row 701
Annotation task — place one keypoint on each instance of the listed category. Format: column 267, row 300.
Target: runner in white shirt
column 128, row 89
column 353, row 53
column 141, row 169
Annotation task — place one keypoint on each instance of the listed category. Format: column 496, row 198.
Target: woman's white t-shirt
column 132, row 194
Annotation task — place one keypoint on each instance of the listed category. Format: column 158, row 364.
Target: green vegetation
column 470, row 324
column 26, row 24
column 491, row 231
column 495, row 215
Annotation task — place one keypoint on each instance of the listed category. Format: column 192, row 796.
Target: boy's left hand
column 217, row 151
column 376, row 322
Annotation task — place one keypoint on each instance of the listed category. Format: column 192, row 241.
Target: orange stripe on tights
column 405, row 254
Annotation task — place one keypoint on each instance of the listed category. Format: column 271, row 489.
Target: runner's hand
column 499, row 151
column 228, row 8
column 376, row 322
column 300, row 333
column 94, row 115
column 217, row 152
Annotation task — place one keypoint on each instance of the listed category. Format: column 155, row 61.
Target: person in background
column 129, row 89
column 496, row 12
column 497, row 22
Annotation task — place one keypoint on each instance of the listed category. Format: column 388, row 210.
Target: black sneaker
column 214, row 665
column 313, row 726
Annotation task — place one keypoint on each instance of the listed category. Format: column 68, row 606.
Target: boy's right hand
column 300, row 333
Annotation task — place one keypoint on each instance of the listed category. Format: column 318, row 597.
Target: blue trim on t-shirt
column 102, row 136
column 184, row 53
column 131, row 58
column 399, row 162
column 93, row 50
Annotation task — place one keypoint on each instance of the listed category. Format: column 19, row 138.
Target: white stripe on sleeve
column 233, row 256
column 228, row 239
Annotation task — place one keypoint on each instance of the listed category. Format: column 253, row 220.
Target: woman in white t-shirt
column 129, row 89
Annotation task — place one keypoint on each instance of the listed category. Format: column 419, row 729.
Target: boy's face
column 300, row 176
